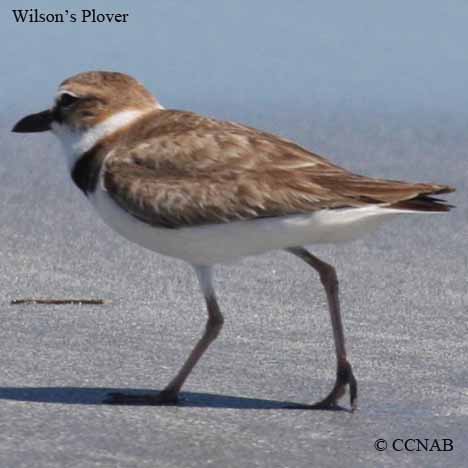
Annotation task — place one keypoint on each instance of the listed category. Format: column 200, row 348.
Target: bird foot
column 163, row 398
column 344, row 376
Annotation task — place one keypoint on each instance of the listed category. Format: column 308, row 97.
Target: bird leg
column 344, row 373
column 214, row 324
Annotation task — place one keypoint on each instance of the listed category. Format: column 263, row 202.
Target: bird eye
column 66, row 99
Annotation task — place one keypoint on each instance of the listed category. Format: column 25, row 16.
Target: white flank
column 223, row 243
column 78, row 142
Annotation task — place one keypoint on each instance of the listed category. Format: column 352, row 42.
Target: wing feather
column 192, row 170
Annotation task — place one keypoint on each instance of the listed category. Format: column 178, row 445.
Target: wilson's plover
column 209, row 192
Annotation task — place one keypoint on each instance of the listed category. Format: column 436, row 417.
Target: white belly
column 222, row 243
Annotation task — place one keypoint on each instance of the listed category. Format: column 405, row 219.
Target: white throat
column 78, row 142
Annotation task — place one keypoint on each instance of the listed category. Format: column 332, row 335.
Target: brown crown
column 102, row 94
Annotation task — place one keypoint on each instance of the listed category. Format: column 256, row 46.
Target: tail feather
column 423, row 203
column 404, row 195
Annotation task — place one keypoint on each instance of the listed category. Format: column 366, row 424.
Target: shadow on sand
column 96, row 396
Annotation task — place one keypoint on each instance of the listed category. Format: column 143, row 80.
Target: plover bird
column 209, row 192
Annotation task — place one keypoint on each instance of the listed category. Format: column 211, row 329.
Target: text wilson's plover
column 209, row 192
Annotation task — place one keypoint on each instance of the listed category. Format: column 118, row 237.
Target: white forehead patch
column 61, row 92
column 65, row 91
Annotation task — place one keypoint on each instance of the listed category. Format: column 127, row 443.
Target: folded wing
column 192, row 170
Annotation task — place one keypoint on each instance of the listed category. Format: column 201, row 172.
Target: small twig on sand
column 60, row 301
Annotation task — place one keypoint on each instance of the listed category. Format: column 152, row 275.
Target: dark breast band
column 85, row 172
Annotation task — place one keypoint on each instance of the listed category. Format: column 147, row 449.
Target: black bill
column 39, row 122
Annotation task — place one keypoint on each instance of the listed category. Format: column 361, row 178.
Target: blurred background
column 362, row 55
column 377, row 86
column 342, row 77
